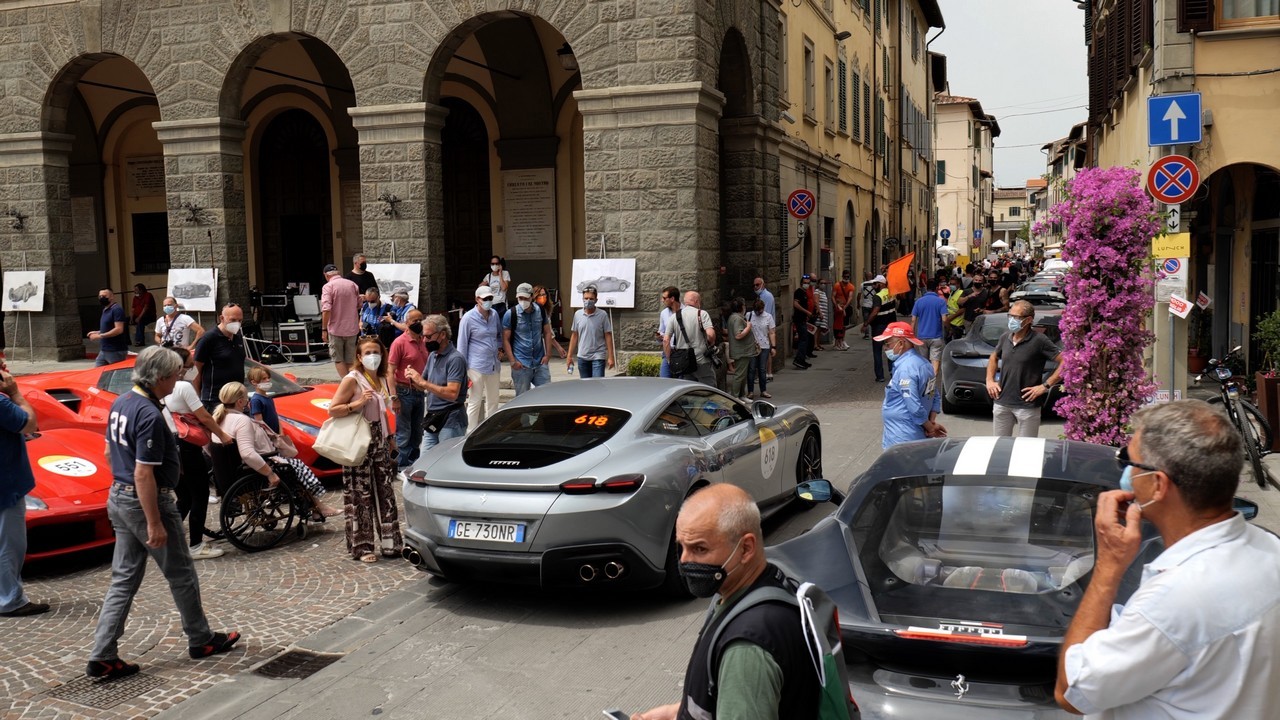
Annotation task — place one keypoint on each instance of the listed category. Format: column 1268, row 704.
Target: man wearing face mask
column 445, row 381
column 1020, row 357
column 478, row 342
column 760, row 662
column 527, row 340
column 884, row 310
column 360, row 274
column 803, row 313
column 111, row 334
column 763, row 293
column 219, row 356
column 911, row 402
column 1198, row 638
column 409, row 352
column 591, row 338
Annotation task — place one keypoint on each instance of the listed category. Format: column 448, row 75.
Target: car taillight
column 418, row 477
column 615, row 484
column 916, row 633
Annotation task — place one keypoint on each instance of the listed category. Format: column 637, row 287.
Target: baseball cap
column 879, row 279
column 484, row 292
column 524, row 290
column 806, row 276
column 330, row 268
column 898, row 330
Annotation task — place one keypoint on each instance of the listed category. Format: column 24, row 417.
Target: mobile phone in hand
column 616, row 714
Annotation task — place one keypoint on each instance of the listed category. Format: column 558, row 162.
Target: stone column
column 750, row 206
column 400, row 156
column 352, row 236
column 35, row 183
column 204, row 187
column 651, row 176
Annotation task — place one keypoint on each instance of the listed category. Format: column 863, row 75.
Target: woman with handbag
column 373, row 523
column 193, row 426
column 261, row 450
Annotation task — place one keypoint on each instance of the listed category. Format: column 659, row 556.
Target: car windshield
column 991, row 327
column 948, row 547
column 280, row 385
column 563, row 430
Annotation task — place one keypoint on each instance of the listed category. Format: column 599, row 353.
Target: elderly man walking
column 1019, row 359
column 691, row 329
column 1199, row 637
column 911, row 402
column 340, row 318
column 478, row 343
column 527, row 341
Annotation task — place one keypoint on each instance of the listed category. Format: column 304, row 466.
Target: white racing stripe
column 974, row 456
column 1027, row 459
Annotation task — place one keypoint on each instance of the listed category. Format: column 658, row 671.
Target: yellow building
column 1229, row 52
column 855, row 87
column 1010, row 214
column 964, row 140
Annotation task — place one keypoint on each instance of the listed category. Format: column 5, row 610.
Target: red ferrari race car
column 82, row 399
column 67, row 511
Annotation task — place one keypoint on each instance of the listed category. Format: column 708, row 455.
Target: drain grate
column 297, row 664
column 104, row 695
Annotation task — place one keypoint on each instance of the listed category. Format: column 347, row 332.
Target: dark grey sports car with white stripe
column 577, row 484
column 957, row 565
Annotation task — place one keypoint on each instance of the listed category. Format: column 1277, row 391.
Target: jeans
column 130, row 564
column 409, row 422
column 138, row 337
column 1002, row 417
column 107, row 357
column 590, row 368
column 804, row 342
column 759, row 368
column 455, row 426
column 535, row 375
column 482, row 399
column 13, row 548
column 665, row 369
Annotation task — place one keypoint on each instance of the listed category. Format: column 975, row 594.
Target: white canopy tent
column 1000, row 244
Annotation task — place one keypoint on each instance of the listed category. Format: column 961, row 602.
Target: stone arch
column 850, row 235
column 741, row 212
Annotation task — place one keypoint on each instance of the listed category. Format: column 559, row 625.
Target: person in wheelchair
column 258, row 450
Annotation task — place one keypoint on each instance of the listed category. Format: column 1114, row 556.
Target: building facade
column 1011, row 219
column 268, row 139
column 1229, row 52
column 964, row 137
column 856, row 80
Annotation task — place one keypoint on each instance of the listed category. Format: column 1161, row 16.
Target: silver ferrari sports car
column 577, row 484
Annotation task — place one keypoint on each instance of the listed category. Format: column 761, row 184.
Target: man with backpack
column 751, row 658
column 526, row 339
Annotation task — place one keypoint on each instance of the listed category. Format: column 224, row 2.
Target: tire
column 948, row 407
column 1255, row 459
column 1261, row 428
column 809, row 462
column 673, row 584
column 255, row 517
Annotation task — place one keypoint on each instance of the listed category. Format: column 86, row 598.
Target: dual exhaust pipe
column 413, row 556
column 612, row 571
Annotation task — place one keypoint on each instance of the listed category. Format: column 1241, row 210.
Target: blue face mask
column 1014, row 324
column 1126, row 483
column 893, row 356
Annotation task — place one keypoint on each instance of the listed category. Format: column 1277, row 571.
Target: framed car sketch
column 24, row 290
column 195, row 289
column 398, row 277
column 614, row 279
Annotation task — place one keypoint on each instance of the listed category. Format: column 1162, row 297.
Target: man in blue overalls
column 911, row 402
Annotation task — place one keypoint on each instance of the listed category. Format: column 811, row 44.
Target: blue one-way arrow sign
column 1174, row 119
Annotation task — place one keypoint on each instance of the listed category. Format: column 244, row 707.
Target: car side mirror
column 1247, row 508
column 818, row 491
column 762, row 409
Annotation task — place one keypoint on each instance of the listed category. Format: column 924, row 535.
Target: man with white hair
column 478, row 342
column 760, row 663
column 1020, row 357
column 690, row 328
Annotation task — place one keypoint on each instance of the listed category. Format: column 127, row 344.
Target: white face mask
column 371, row 361
column 263, row 387
column 526, row 304
column 495, row 268
column 233, row 327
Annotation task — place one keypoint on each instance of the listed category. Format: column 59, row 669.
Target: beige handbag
column 344, row 440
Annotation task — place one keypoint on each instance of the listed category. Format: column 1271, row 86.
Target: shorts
column 931, row 350
column 342, row 348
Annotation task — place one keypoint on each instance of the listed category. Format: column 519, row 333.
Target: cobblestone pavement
column 273, row 598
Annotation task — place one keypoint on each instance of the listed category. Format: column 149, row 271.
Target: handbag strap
column 680, row 322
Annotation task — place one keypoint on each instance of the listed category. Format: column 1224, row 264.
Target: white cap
column 484, row 292
column 879, row 279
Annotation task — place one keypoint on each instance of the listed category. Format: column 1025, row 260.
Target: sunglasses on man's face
column 1123, row 461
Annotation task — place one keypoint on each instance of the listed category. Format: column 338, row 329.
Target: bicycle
column 1253, row 427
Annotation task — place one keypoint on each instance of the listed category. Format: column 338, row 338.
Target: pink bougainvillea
column 1107, row 222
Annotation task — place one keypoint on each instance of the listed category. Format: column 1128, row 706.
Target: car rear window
column 539, row 436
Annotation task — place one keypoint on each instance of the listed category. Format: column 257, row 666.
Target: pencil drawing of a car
column 605, row 284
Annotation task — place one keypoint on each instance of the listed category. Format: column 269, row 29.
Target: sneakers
column 205, row 551
column 214, row 499
column 220, row 643
column 31, row 608
column 110, row 669
column 799, row 366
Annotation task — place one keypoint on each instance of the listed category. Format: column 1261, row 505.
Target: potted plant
column 1199, row 340
column 1266, row 335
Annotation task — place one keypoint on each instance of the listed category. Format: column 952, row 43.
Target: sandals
column 220, row 643
column 368, row 558
column 105, row 670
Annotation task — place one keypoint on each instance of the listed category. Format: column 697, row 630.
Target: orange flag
column 897, row 274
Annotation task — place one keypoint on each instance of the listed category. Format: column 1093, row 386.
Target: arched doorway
column 510, row 161
column 741, row 219
column 294, row 198
column 850, row 230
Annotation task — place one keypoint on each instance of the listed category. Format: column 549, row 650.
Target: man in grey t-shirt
column 591, row 340
column 1021, row 355
column 701, row 332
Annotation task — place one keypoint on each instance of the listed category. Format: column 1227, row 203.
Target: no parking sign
column 1174, row 280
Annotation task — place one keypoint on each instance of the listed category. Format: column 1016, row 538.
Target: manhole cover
column 297, row 664
column 98, row 694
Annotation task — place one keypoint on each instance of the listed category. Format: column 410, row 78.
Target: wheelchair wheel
column 257, row 517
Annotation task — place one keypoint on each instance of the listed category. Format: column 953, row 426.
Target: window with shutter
column 1108, row 63
column 1148, row 23
column 1120, row 28
column 843, row 80
column 866, row 112
column 1195, row 15
column 857, row 106
column 878, row 15
column 1088, row 23
column 941, row 178
column 1135, row 31
column 1097, row 97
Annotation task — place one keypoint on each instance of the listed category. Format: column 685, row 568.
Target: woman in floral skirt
column 373, row 523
